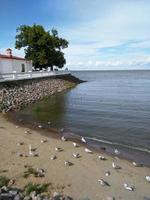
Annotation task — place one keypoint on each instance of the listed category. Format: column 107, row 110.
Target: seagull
column 127, row 187
column 62, row 130
column 20, row 143
column 101, row 157
column 88, row 150
column 58, row 149
column 40, row 172
column 83, row 140
column 53, row 157
column 40, row 126
column 43, row 140
column 107, row 173
column 147, row 178
column 103, row 183
column 32, row 151
column 76, row 155
column 67, row 163
column 75, row 144
column 27, row 132
column 63, row 138
column 110, row 198
column 115, row 166
column 136, row 164
column 117, row 152
column 19, row 154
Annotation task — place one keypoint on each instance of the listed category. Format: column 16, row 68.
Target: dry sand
column 79, row 180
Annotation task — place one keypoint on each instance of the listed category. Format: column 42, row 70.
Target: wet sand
column 79, row 180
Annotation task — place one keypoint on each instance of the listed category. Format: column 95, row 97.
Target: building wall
column 10, row 65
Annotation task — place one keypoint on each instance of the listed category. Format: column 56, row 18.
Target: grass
column 30, row 171
column 4, row 181
column 38, row 188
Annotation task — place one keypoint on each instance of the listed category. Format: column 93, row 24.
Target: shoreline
column 82, row 177
column 125, row 152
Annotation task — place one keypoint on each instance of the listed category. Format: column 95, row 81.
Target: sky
column 102, row 34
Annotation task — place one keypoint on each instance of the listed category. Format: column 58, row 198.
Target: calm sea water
column 112, row 106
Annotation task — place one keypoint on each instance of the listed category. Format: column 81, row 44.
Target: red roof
column 11, row 57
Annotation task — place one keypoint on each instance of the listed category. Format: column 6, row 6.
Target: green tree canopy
column 44, row 48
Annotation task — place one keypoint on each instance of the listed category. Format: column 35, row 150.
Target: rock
column 27, row 198
column 67, row 198
column 4, row 189
column 18, row 197
column 6, row 196
column 13, row 192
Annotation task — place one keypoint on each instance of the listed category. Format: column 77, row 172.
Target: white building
column 10, row 63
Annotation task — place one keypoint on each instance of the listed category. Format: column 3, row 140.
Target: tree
column 44, row 48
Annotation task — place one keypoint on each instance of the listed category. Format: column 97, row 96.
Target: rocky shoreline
column 18, row 94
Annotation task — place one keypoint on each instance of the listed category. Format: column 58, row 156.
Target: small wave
column 122, row 145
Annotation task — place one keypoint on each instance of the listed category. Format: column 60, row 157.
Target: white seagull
column 115, row 166
column 101, row 157
column 147, row 178
column 53, row 157
column 117, row 152
column 63, row 138
column 88, row 150
column 76, row 155
column 83, row 140
column 43, row 140
column 58, row 149
column 136, row 164
column 40, row 126
column 103, row 183
column 127, row 187
column 27, row 132
column 40, row 172
column 107, row 173
column 67, row 163
column 32, row 151
column 75, row 144
column 20, row 143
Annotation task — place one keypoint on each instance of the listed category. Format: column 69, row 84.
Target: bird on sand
column 83, row 140
column 115, row 166
column 101, row 157
column 63, row 138
column 127, row 187
column 58, row 149
column 75, row 144
column 67, row 163
column 76, row 155
column 87, row 150
column 147, row 178
column 53, row 157
column 20, row 143
column 107, row 173
column 43, row 140
column 135, row 164
column 103, row 183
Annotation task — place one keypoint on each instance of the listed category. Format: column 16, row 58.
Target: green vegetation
column 44, row 48
column 38, row 188
column 30, row 171
column 4, row 181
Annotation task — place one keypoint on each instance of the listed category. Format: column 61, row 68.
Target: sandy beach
column 79, row 180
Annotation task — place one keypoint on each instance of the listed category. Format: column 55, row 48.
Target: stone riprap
column 18, row 94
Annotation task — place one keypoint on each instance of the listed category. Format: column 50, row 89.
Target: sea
column 111, row 110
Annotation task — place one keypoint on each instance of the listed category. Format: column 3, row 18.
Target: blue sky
column 102, row 34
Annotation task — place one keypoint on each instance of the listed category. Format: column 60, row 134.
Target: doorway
column 22, row 67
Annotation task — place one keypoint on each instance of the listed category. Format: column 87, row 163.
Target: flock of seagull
column 32, row 152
